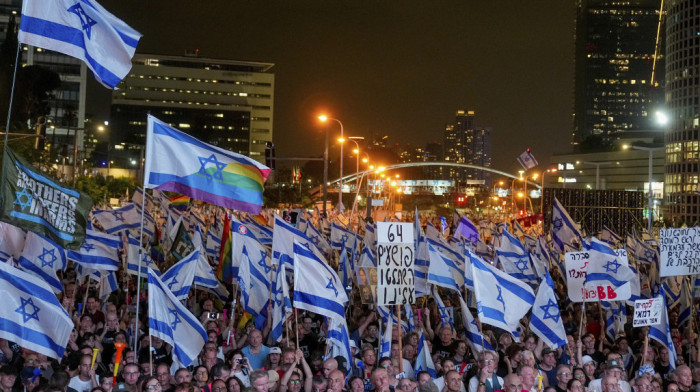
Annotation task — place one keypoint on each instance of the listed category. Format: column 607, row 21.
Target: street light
column 356, row 151
column 325, row 118
column 651, row 166
column 597, row 171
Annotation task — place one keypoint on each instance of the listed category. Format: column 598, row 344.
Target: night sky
column 398, row 68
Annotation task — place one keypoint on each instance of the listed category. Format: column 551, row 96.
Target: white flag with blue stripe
column 42, row 257
column 31, row 315
column 340, row 237
column 317, row 287
column 514, row 258
column 180, row 276
column 527, row 160
column 261, row 232
column 545, row 320
column 107, row 283
column 607, row 269
column 169, row 320
column 442, row 271
column 424, row 361
column 314, row 236
column 283, row 239
column 100, row 251
column 132, row 259
column 205, row 278
column 127, row 218
column 474, row 337
column 338, row 340
column 138, row 199
column 662, row 332
column 501, row 299
column 281, row 305
column 385, row 341
column 12, row 240
column 564, row 229
column 82, row 29
column 254, row 278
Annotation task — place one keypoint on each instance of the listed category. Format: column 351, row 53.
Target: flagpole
column 138, row 276
column 87, row 290
column 354, row 203
column 296, row 325
column 398, row 316
column 12, row 94
column 580, row 324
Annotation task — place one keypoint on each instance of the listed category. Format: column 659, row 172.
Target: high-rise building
column 683, row 101
column 619, row 70
column 467, row 143
column 226, row 103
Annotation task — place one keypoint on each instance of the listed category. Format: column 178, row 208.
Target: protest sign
column 577, row 267
column 395, row 256
column 680, row 252
column 647, row 312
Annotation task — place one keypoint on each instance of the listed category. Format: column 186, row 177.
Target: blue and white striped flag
column 410, row 317
column 138, row 199
column 527, row 160
column 84, row 30
column 564, row 229
column 514, row 258
column 180, row 276
column 205, row 278
column 662, row 332
column 317, row 288
column 261, row 232
column 367, row 259
column 254, row 278
column 338, row 340
column 12, row 240
column 672, row 287
column 421, row 265
column 445, row 316
column 127, row 218
column 466, row 231
column 545, row 320
column 31, row 315
column 107, row 283
column 213, row 245
column 442, row 270
column 474, row 337
column 283, row 241
column 606, row 269
column 501, row 299
column 132, row 259
column 424, row 361
column 314, row 236
column 42, row 257
column 609, row 236
column 170, row 320
column 100, row 252
column 340, row 237
column 281, row 305
column 686, row 303
column 385, row 339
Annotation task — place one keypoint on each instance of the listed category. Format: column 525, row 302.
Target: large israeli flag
column 474, row 337
column 284, row 236
column 43, row 257
column 501, row 299
column 442, row 271
column 180, row 276
column 84, row 30
column 100, row 251
column 514, row 258
column 132, row 259
column 564, row 229
column 205, row 278
column 254, row 278
column 545, row 320
column 317, row 288
column 169, row 320
column 607, row 269
column 31, row 315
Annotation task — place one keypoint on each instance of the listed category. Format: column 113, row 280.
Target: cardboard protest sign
column 395, row 257
column 680, row 252
column 647, row 312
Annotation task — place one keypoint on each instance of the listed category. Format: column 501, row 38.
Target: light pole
column 597, row 171
column 325, row 118
column 651, row 167
column 357, row 155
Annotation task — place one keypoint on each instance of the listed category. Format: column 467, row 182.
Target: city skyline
column 380, row 68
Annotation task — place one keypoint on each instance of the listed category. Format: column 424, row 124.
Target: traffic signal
column 460, row 199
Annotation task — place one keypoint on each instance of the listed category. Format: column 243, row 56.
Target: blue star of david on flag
column 218, row 174
column 88, row 246
column 47, row 258
column 28, row 315
column 86, row 22
column 344, row 238
column 612, row 266
column 331, row 286
column 315, row 240
column 24, row 194
column 499, row 298
column 648, row 253
column 175, row 317
column 172, row 283
column 262, row 263
column 521, row 264
column 557, row 223
column 276, row 294
column 555, row 313
column 119, row 215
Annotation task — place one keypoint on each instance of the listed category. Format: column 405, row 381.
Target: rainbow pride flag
column 180, row 202
column 224, row 271
column 178, row 162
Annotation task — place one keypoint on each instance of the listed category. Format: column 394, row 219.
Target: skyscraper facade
column 619, row 70
column 683, row 101
column 467, row 143
column 226, row 103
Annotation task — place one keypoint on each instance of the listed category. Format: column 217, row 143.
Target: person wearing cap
column 589, row 366
column 273, row 360
column 613, row 369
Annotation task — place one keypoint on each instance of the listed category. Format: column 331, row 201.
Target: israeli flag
column 339, row 236
column 338, row 340
column 107, row 283
column 180, row 276
column 254, row 278
column 138, row 199
column 662, row 332
column 314, row 236
column 474, row 337
column 281, row 305
column 213, row 245
column 607, row 269
column 169, row 320
column 518, row 230
column 609, row 236
column 205, row 278
column 31, row 315
column 367, row 258
column 672, row 287
column 42, row 257
column 370, row 238
column 410, row 317
column 442, row 271
column 261, row 232
column 385, row 341
column 132, row 259
column 527, row 160
column 445, row 316
column 686, row 303
column 424, row 362
column 84, row 30
column 317, row 288
column 545, row 320
column 514, row 258
column 283, row 241
column 421, row 266
column 100, row 252
column 564, row 229
column 501, row 299
column 12, row 240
